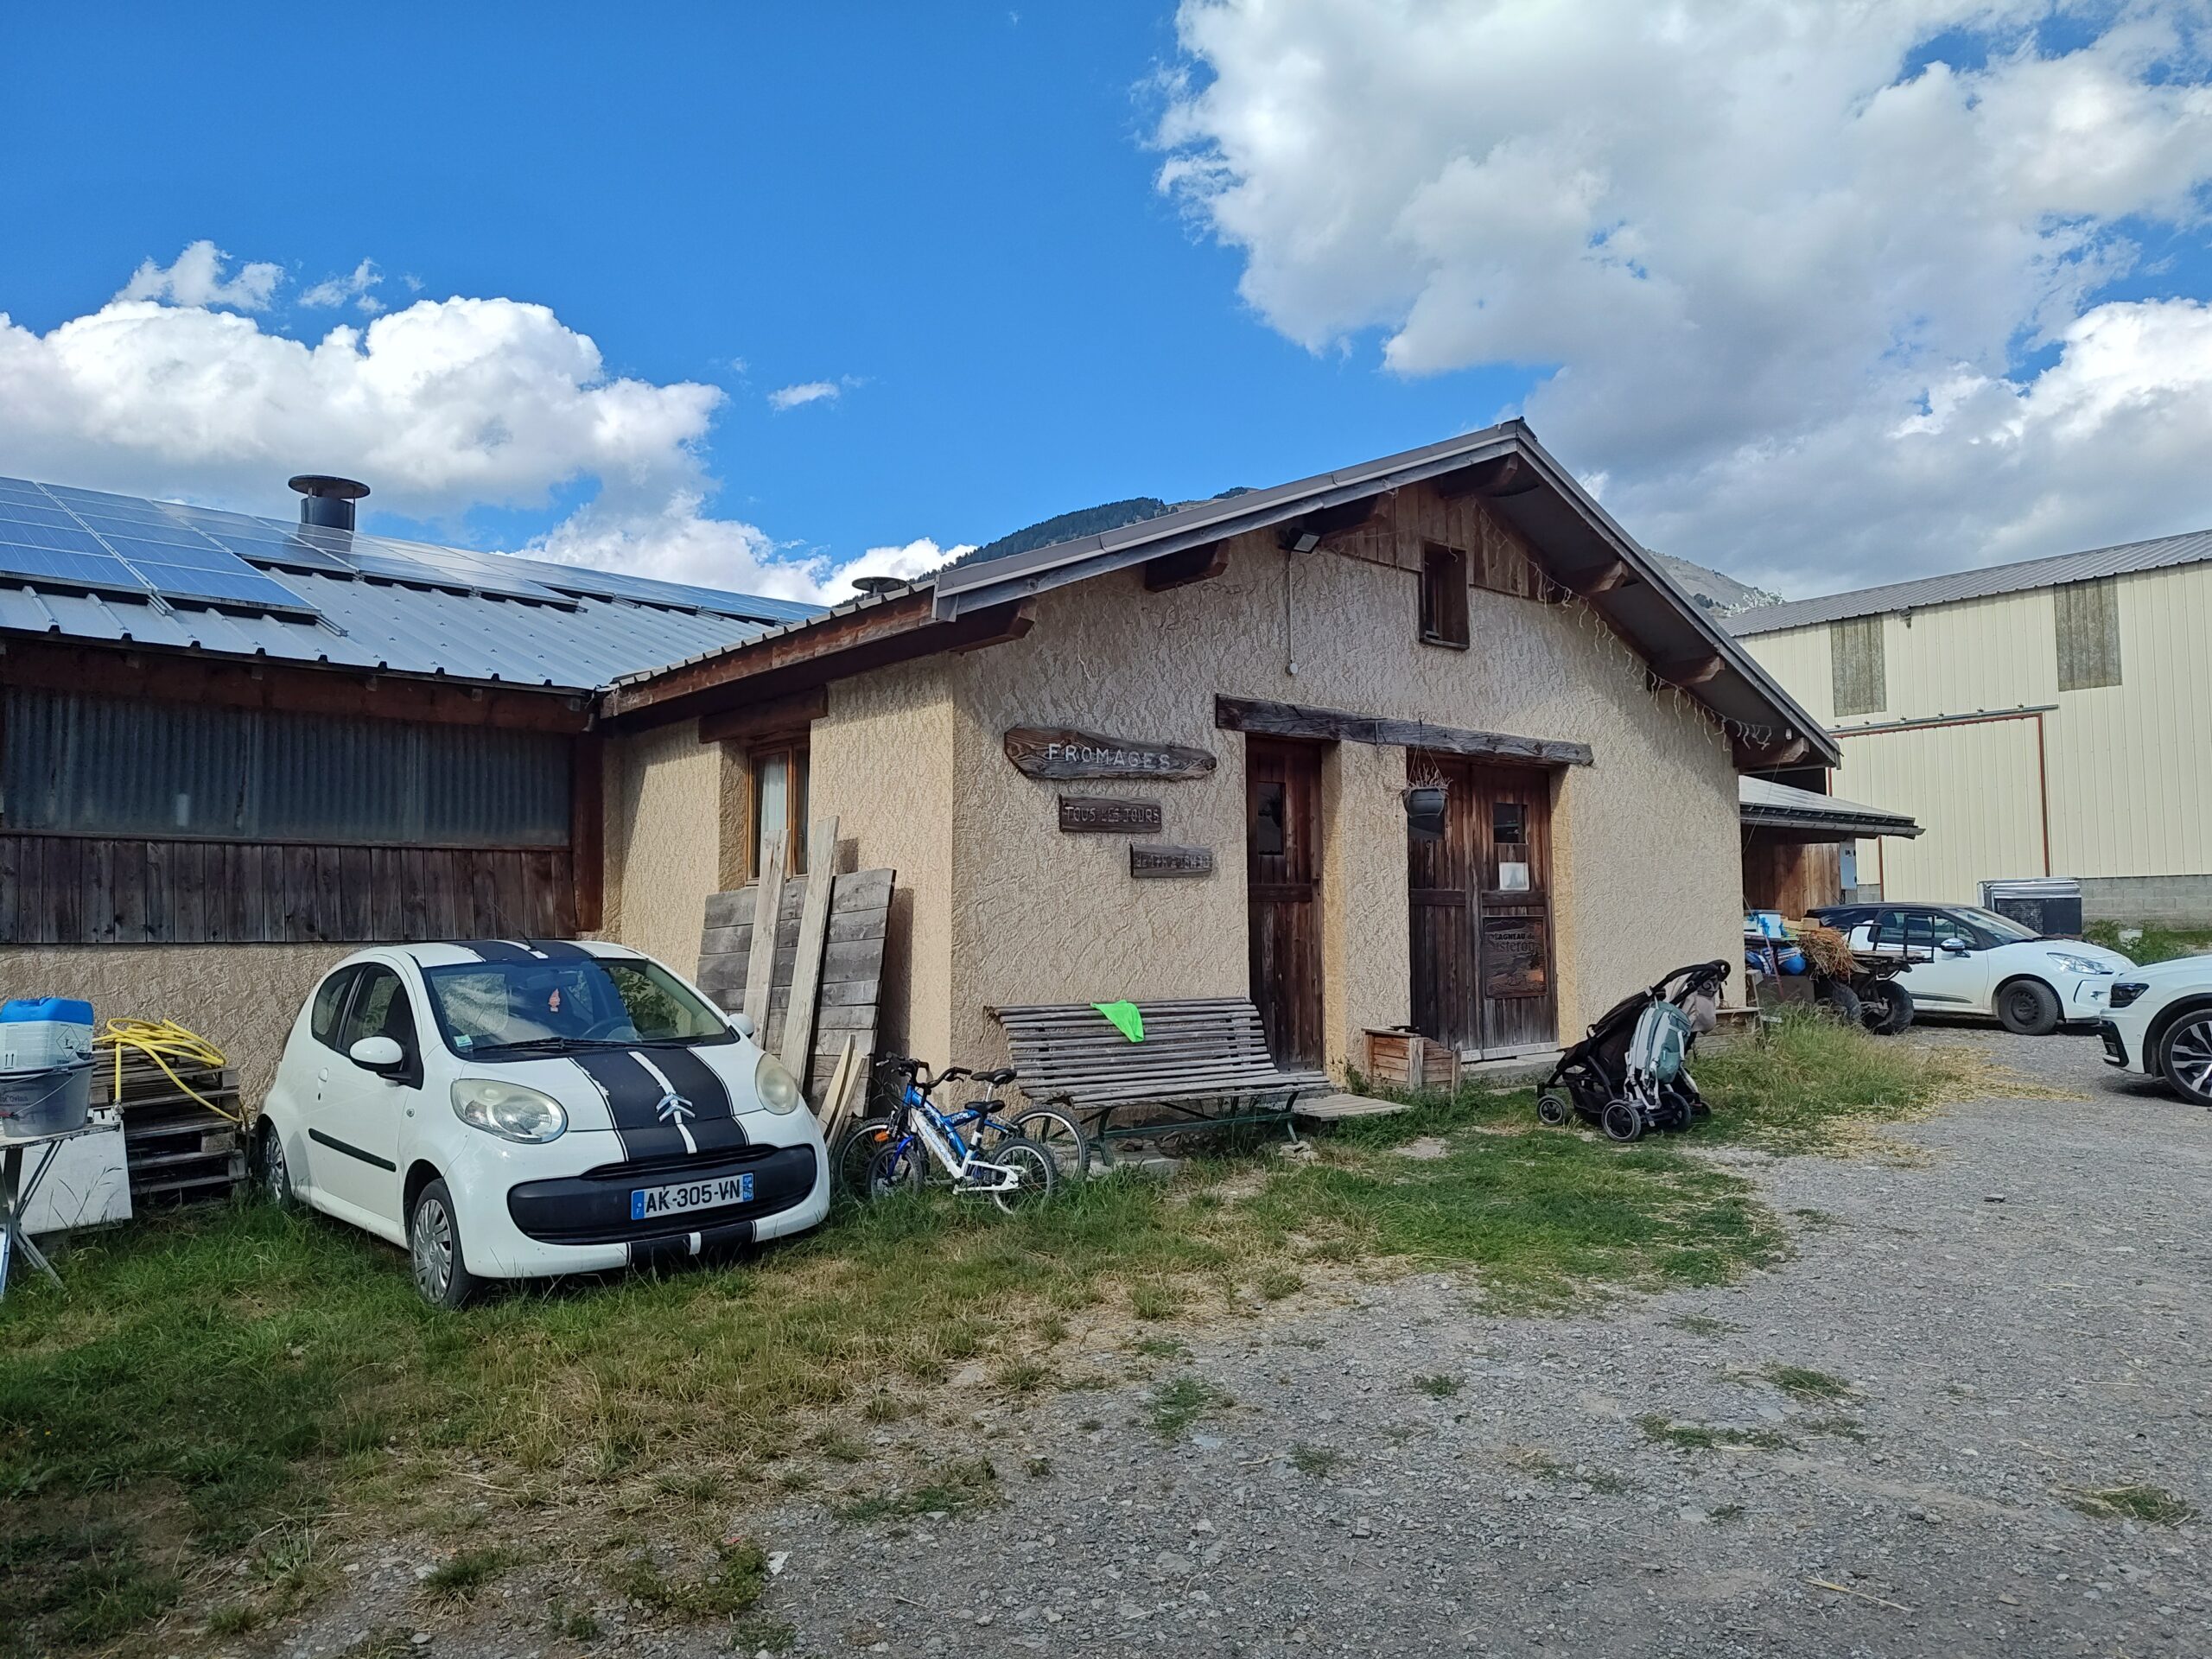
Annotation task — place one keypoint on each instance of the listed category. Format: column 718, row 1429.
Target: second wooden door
column 1482, row 923
column 1282, row 874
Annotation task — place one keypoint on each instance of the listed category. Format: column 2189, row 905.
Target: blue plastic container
column 39, row 1033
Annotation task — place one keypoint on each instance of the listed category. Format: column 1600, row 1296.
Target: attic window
column 1855, row 658
column 1443, row 596
column 2088, row 634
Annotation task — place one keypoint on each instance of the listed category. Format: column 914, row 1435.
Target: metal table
column 15, row 1193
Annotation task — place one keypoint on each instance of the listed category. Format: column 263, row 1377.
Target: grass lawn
column 238, row 1385
column 2157, row 944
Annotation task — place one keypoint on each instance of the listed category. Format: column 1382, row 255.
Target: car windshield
column 488, row 1008
column 2001, row 930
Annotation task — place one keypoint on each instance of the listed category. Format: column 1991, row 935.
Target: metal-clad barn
column 2045, row 718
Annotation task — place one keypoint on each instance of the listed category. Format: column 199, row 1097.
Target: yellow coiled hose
column 163, row 1041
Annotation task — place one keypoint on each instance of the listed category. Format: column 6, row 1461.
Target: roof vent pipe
column 328, row 501
column 876, row 587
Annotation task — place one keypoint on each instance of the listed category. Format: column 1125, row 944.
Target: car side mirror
column 741, row 1024
column 378, row 1054
column 1954, row 946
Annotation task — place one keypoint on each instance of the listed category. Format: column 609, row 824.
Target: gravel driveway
column 1868, row 1450
column 2020, row 1316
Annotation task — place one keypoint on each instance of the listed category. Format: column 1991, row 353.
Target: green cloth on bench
column 1126, row 1019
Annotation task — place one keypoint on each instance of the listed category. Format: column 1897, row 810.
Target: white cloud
column 442, row 406
column 812, row 392
column 1815, row 314
column 358, row 286
column 196, row 278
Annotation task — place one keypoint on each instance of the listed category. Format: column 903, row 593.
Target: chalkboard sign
column 1161, row 861
column 1098, row 815
column 1056, row 752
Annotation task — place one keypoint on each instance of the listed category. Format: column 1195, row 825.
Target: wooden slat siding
column 1264, row 719
column 1859, row 681
column 767, row 914
column 87, row 890
column 1205, row 1049
column 1498, row 557
column 807, row 964
column 2087, row 620
column 852, row 962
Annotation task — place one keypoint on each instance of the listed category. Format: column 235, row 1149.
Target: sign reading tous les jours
column 1098, row 815
column 1057, row 753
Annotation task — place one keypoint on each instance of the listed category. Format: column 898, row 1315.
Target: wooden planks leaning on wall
column 852, row 965
column 92, row 890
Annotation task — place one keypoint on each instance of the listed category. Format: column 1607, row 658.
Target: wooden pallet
column 176, row 1149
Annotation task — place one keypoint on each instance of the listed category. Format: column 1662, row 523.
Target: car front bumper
column 528, row 1217
column 2084, row 999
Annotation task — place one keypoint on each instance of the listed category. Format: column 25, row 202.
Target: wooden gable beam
column 1324, row 522
column 1200, row 564
column 1500, row 475
column 1616, row 574
column 772, row 716
column 1294, row 720
column 1690, row 670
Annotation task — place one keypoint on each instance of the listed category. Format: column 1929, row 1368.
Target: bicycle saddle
column 997, row 1079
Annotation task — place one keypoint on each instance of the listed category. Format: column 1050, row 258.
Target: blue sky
column 1820, row 295
column 948, row 210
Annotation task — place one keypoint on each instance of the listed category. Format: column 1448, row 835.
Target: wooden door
column 1282, row 875
column 1483, row 974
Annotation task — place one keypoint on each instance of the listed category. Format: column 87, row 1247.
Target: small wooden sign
column 1100, row 815
column 1056, row 752
column 1160, row 860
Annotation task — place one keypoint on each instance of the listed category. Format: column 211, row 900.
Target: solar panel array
column 117, row 543
column 88, row 541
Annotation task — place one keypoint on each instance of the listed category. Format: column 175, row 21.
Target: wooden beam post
column 798, row 1046
column 587, row 829
column 760, row 961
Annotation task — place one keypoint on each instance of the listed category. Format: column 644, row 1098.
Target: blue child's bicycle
column 1010, row 1169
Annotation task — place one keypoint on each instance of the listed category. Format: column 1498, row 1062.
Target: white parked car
column 2160, row 1025
column 1966, row 960
column 508, row 1109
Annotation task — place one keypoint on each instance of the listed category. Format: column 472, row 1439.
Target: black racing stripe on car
column 493, row 950
column 560, row 949
column 350, row 1150
column 698, row 1082
column 634, row 1096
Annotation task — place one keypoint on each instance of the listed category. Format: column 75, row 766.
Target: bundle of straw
column 1828, row 950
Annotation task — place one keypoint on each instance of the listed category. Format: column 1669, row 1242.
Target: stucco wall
column 666, row 803
column 243, row 998
column 882, row 760
column 1646, row 871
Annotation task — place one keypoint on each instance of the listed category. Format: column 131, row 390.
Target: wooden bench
column 1210, row 1051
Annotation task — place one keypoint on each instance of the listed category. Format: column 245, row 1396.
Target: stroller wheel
column 1552, row 1108
column 1622, row 1120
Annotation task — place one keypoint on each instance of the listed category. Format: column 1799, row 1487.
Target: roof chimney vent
column 328, row 501
column 876, row 587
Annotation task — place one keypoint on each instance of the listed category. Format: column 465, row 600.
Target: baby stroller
column 1627, row 1075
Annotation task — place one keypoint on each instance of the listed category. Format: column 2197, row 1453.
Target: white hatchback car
column 517, row 1108
column 1966, row 960
column 2161, row 1024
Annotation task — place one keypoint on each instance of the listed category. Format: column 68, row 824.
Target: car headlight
column 772, row 1081
column 508, row 1109
column 2079, row 964
column 2127, row 991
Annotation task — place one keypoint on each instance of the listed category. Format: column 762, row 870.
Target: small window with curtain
column 1443, row 596
column 780, row 805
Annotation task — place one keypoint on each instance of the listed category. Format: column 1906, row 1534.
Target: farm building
column 1425, row 741
column 2046, row 718
column 1245, row 690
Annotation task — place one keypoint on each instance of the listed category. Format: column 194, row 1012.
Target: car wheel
column 272, row 1173
column 2187, row 1056
column 441, row 1274
column 1885, row 1007
column 2028, row 1007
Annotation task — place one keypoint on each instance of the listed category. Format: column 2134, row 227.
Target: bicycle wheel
column 896, row 1167
column 854, row 1151
column 1039, row 1175
column 1059, row 1135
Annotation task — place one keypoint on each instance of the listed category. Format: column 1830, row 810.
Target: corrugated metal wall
column 101, row 765
column 2130, row 765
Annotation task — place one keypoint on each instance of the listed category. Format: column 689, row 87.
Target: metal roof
column 468, row 617
column 2195, row 548
column 1764, row 804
